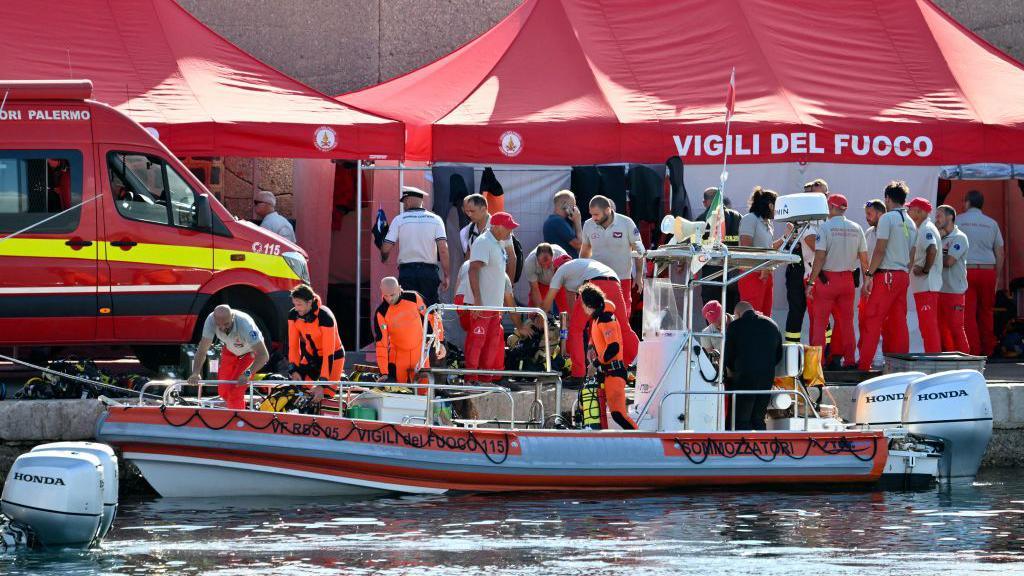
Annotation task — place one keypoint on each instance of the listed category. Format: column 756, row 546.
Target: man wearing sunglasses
column 265, row 207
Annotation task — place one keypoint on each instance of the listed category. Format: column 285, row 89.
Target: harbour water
column 967, row 528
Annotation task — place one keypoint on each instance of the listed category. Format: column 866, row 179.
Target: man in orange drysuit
column 606, row 341
column 398, row 327
column 315, row 351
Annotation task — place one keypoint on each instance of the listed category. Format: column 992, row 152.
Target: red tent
column 593, row 81
column 157, row 63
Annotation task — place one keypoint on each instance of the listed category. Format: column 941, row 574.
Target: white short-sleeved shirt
column 870, row 237
column 927, row 235
column 842, row 240
column 487, row 249
column 243, row 336
column 416, row 232
column 534, row 273
column 900, row 232
column 462, row 284
column 805, row 251
column 954, row 278
column 984, row 235
column 278, row 225
column 762, row 231
column 614, row 245
column 574, row 273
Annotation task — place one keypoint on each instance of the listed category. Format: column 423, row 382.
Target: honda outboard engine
column 879, row 400
column 954, row 406
column 110, row 474
column 58, row 495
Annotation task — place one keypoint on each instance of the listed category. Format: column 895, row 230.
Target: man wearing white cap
column 422, row 243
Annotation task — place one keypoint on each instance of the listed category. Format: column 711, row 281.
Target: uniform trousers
column 231, row 367
column 834, row 299
column 760, row 292
column 979, row 301
column 951, row 324
column 927, row 304
column 887, row 305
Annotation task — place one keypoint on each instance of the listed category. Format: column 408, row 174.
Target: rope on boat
column 472, row 445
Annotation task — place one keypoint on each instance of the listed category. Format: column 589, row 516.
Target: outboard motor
column 58, row 495
column 879, row 400
column 110, row 474
column 954, row 406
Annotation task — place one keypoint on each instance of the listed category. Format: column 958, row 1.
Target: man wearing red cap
column 926, row 274
column 838, row 246
column 888, row 278
column 485, row 342
column 571, row 274
column 955, row 247
column 713, row 312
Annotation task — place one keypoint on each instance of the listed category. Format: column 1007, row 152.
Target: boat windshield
column 664, row 302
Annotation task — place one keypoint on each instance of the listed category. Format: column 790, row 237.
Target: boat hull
column 184, row 451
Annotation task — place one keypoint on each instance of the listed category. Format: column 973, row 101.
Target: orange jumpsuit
column 399, row 332
column 606, row 339
column 314, row 346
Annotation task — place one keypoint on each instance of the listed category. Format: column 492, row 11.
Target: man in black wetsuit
column 753, row 346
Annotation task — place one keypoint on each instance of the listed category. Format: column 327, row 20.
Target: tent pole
column 359, row 249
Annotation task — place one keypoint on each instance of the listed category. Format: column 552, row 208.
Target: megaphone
column 682, row 230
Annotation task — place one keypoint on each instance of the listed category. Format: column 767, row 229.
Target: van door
column 48, row 248
column 157, row 256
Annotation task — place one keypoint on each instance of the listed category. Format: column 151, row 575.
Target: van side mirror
column 204, row 220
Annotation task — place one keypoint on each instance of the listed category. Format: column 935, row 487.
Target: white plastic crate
column 394, row 407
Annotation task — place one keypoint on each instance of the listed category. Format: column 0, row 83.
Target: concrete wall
column 337, row 46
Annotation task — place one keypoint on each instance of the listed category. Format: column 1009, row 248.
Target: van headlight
column 297, row 262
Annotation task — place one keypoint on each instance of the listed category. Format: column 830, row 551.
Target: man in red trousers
column 888, row 278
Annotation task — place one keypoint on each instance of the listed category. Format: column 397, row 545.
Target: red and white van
column 146, row 254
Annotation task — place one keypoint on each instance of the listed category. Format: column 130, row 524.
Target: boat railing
column 547, row 376
column 347, row 387
column 797, row 394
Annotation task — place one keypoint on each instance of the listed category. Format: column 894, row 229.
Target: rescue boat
column 684, row 439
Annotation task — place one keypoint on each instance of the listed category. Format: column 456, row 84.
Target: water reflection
column 968, row 528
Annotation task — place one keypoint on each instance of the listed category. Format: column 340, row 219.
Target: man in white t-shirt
column 888, row 278
column 955, row 247
column 926, row 274
column 244, row 353
column 422, row 243
column 569, row 276
column 485, row 341
column 614, row 240
column 265, row 206
column 538, row 268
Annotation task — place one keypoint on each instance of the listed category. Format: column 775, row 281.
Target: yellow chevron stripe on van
column 45, row 248
column 162, row 255
column 270, row 265
column 153, row 254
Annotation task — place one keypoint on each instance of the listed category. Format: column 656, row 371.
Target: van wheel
column 153, row 358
